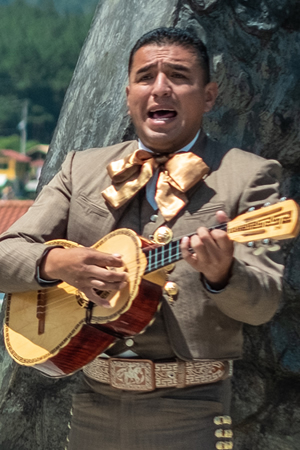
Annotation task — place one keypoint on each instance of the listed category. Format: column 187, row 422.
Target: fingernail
column 106, row 305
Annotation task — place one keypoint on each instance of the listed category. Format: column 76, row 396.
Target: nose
column 161, row 86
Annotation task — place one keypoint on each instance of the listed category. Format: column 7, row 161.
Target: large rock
column 255, row 49
column 94, row 113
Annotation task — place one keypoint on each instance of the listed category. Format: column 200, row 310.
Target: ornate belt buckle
column 132, row 374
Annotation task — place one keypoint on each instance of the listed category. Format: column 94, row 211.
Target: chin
column 159, row 141
column 159, row 145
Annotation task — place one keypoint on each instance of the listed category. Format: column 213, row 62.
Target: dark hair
column 176, row 36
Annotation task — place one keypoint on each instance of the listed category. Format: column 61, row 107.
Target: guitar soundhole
column 102, row 294
column 82, row 300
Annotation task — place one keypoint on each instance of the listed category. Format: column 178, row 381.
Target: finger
column 185, row 247
column 222, row 217
column 208, row 242
column 187, row 255
column 106, row 286
column 202, row 243
column 102, row 259
column 95, row 298
column 221, row 240
column 106, row 275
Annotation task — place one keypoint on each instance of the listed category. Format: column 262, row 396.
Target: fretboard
column 162, row 256
column 159, row 256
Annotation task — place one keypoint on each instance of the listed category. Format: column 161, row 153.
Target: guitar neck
column 278, row 221
column 159, row 256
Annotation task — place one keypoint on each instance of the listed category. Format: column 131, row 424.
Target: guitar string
column 159, row 251
column 65, row 296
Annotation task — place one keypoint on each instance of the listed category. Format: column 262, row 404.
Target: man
column 217, row 287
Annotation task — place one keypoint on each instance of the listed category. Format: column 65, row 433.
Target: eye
column 145, row 77
column 178, row 75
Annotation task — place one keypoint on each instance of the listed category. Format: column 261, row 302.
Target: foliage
column 62, row 6
column 13, row 142
column 39, row 48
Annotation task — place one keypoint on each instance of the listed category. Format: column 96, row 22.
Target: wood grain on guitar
column 57, row 331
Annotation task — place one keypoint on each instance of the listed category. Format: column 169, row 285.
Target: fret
column 162, row 256
column 178, row 252
column 170, row 254
column 159, row 256
column 149, row 266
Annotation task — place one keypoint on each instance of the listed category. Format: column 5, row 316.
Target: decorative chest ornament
column 163, row 235
column 171, row 289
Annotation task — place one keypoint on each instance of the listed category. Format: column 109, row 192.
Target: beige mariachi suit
column 199, row 324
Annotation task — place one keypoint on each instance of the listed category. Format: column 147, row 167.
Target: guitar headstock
column 278, row 221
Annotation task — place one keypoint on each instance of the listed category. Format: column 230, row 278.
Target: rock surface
column 254, row 46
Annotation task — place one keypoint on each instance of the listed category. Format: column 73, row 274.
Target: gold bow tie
column 179, row 172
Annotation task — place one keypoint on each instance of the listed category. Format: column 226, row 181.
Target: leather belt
column 146, row 375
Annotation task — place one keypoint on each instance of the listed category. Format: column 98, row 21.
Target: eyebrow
column 171, row 65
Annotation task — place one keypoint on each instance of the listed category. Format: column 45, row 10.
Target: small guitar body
column 58, row 331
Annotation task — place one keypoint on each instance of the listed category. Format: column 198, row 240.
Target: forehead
column 153, row 54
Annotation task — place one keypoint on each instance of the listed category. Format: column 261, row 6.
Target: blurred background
column 40, row 41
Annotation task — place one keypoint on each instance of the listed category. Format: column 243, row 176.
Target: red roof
column 15, row 155
column 11, row 210
column 37, row 163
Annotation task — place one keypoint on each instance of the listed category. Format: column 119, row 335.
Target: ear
column 210, row 95
column 127, row 96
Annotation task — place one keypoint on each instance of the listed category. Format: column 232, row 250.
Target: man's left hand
column 213, row 253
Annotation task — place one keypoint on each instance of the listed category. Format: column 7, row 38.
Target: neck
column 186, row 148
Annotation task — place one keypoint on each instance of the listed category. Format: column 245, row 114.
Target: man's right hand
column 85, row 269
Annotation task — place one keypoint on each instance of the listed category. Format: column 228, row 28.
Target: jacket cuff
column 208, row 287
column 41, row 281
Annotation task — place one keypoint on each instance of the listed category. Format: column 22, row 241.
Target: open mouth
column 162, row 114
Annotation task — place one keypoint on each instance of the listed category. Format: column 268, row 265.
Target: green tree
column 13, row 143
column 39, row 49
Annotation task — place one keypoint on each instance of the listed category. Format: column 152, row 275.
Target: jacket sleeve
column 254, row 290
column 23, row 244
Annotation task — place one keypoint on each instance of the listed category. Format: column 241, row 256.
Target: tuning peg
column 261, row 247
column 266, row 204
column 274, row 248
column 271, row 245
column 283, row 199
column 250, row 244
column 259, row 251
column 266, row 244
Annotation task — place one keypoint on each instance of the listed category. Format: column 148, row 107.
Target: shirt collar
column 186, row 148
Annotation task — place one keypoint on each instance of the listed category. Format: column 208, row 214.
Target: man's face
column 166, row 96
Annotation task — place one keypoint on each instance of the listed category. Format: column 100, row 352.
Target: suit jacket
column 200, row 324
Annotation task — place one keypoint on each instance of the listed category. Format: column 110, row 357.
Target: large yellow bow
column 178, row 173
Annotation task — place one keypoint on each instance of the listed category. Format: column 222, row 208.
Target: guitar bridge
column 41, row 310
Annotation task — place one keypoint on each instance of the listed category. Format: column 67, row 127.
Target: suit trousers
column 179, row 419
